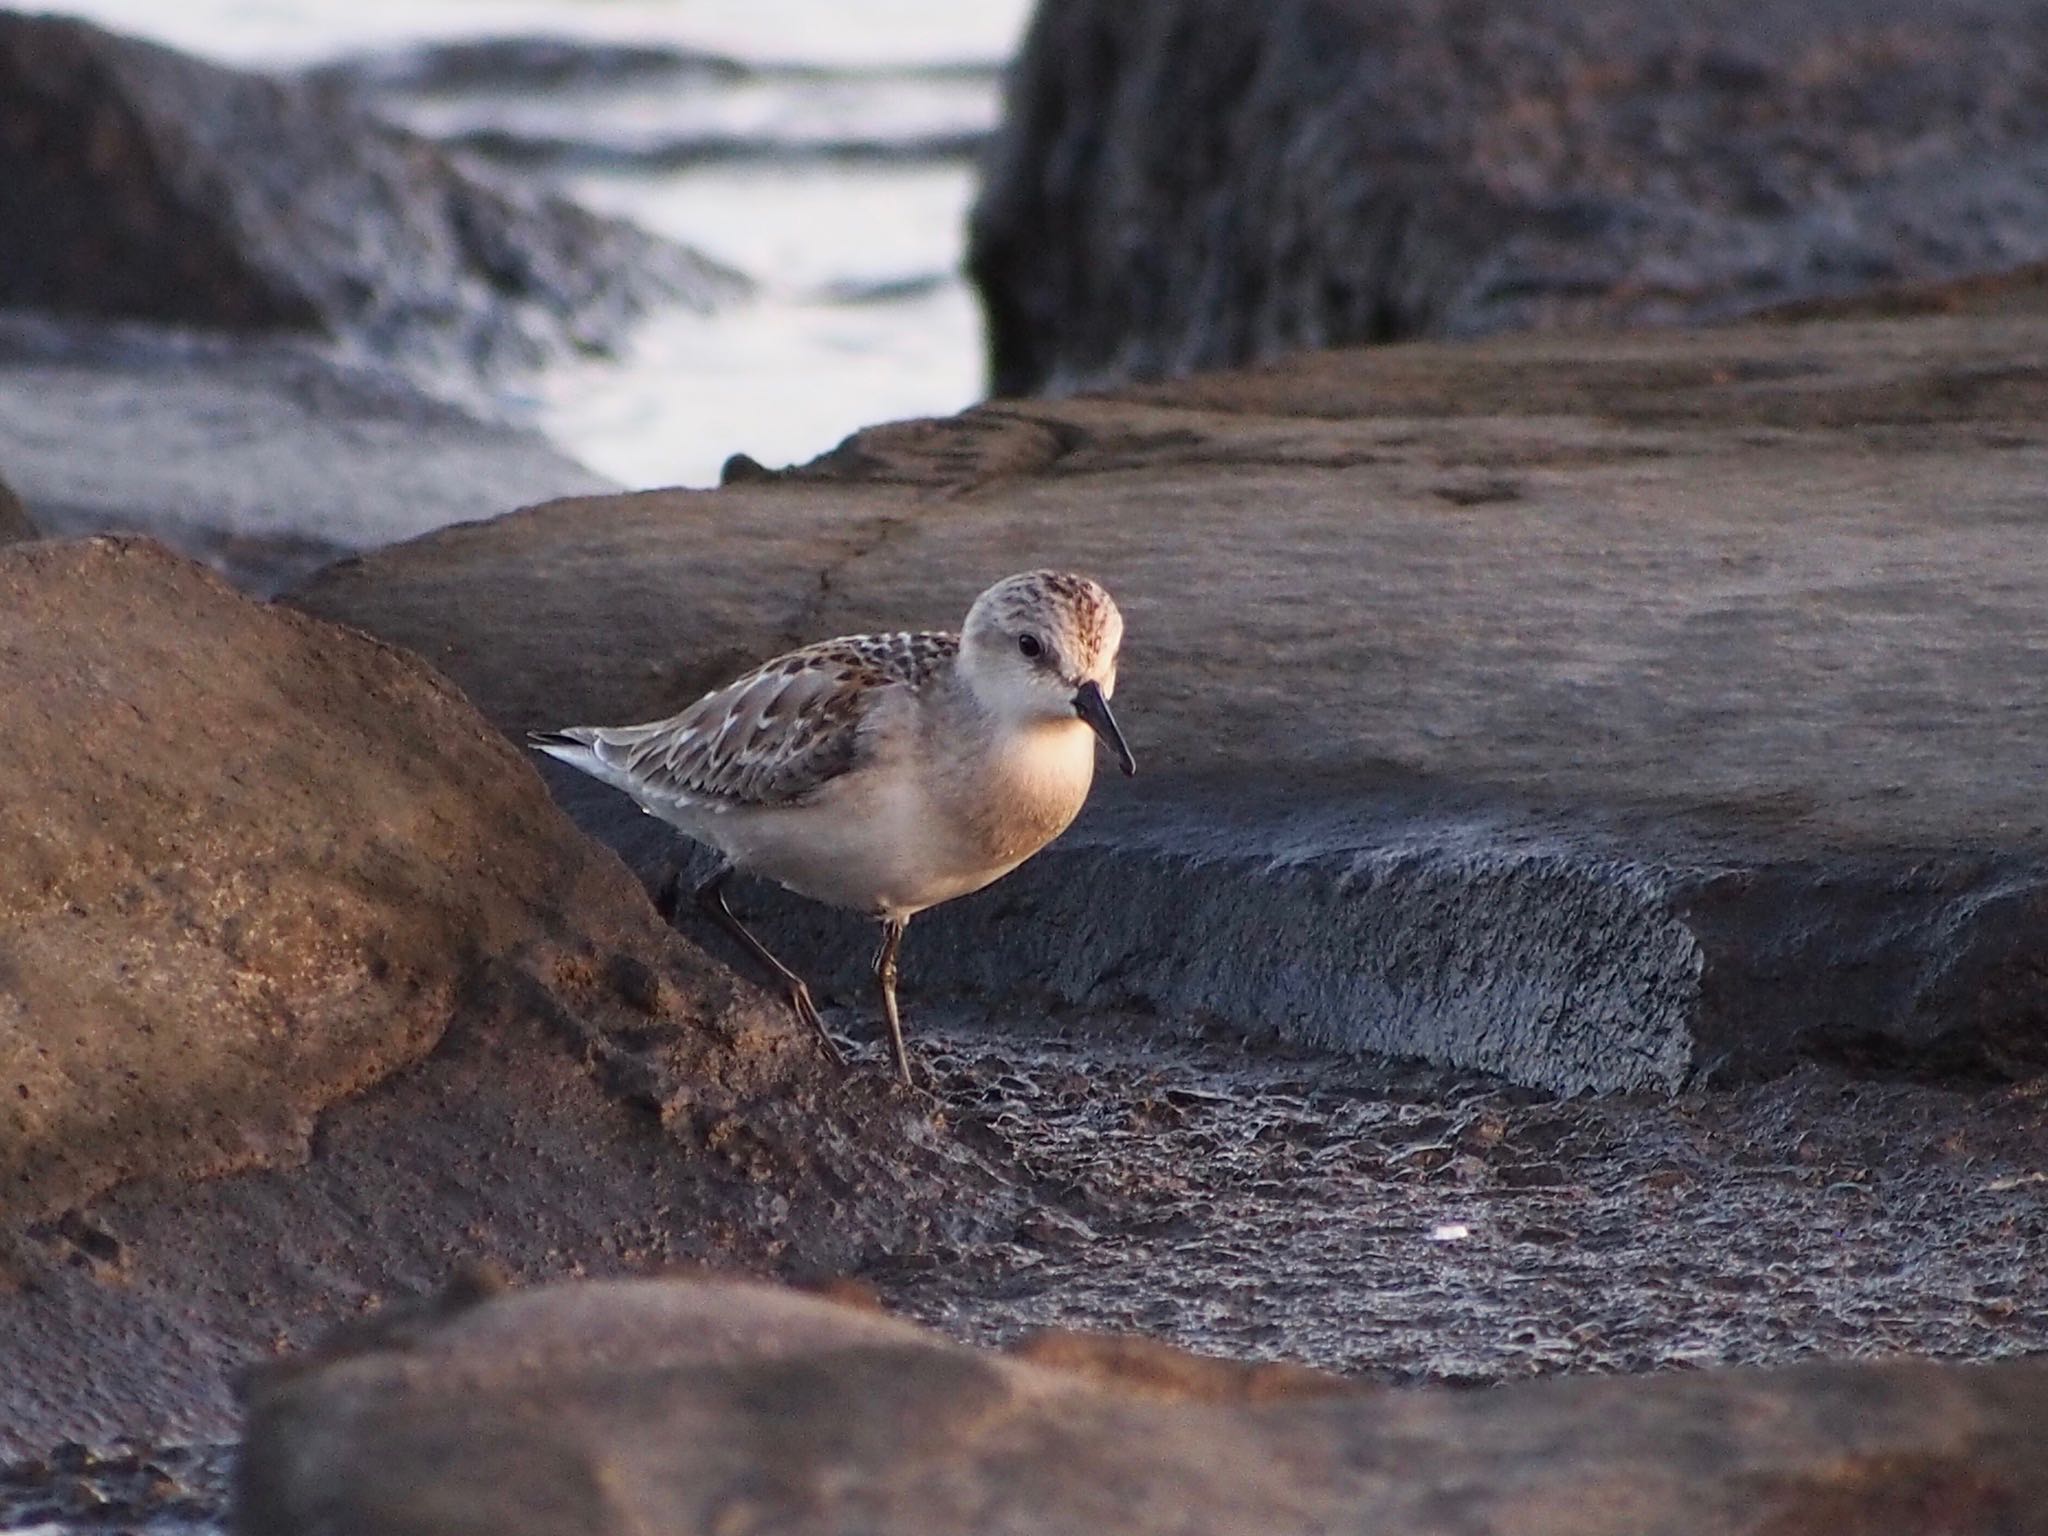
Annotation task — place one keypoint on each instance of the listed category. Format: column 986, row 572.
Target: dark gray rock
column 263, row 457
column 1607, row 712
column 1183, row 184
column 660, row 1409
column 138, row 183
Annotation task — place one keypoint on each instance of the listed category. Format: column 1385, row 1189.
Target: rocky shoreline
column 1109, row 1145
column 1578, row 933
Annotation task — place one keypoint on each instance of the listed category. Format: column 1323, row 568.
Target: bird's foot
column 903, row 1071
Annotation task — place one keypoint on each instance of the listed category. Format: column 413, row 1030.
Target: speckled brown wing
column 778, row 734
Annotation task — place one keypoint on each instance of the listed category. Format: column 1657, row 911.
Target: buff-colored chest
column 1027, row 789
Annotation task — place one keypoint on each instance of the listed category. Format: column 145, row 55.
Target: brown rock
column 251, row 862
column 653, row 1408
column 1607, row 712
column 309, row 994
column 1142, row 1367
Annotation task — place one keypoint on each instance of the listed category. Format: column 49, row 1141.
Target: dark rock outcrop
column 659, row 1408
column 308, row 993
column 1183, row 184
column 138, row 183
column 1608, row 712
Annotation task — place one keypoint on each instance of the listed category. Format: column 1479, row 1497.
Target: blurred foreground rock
column 139, row 183
column 1184, row 184
column 1610, row 712
column 308, row 993
column 682, row 1407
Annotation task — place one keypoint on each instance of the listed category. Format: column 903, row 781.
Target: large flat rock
column 1185, row 184
column 1608, row 713
column 308, row 993
column 658, row 1408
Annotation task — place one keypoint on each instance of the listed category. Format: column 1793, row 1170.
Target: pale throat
column 1050, row 763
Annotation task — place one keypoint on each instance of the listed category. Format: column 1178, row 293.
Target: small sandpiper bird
column 884, row 773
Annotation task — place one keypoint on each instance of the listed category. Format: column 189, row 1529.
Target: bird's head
column 1042, row 646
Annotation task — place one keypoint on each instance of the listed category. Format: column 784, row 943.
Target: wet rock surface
column 1399, row 1223
column 138, row 183
column 309, row 995
column 264, row 458
column 1182, row 184
column 1647, row 709
column 691, row 1407
column 166, row 1490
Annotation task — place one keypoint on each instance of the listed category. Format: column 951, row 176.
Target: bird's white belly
column 893, row 843
column 871, row 854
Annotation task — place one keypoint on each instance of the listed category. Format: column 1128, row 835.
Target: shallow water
column 833, row 168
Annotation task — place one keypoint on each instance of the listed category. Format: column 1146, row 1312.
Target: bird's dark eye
column 1031, row 646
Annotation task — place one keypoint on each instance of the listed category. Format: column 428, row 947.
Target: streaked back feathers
column 770, row 737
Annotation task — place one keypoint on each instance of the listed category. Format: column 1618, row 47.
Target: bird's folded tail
column 576, row 746
column 603, row 752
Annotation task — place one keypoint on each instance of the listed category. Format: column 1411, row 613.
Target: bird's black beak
column 1091, row 706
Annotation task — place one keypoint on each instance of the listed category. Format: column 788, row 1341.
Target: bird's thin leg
column 711, row 902
column 885, row 977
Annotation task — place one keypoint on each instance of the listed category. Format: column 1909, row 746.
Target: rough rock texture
column 138, row 183
column 1608, row 713
column 15, row 522
column 308, row 992
column 654, row 1408
column 1194, row 183
column 264, row 458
